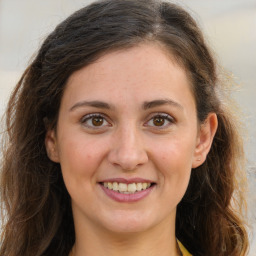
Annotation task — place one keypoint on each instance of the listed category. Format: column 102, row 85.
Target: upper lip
column 127, row 181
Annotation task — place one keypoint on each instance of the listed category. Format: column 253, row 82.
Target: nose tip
column 128, row 152
column 128, row 160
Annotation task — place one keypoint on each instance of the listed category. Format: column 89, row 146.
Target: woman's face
column 127, row 138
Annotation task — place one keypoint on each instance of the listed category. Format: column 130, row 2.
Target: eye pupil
column 158, row 121
column 97, row 121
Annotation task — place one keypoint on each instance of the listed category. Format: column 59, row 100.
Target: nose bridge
column 128, row 148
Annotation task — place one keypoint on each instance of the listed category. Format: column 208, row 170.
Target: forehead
column 145, row 71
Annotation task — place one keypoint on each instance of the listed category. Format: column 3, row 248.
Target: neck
column 158, row 240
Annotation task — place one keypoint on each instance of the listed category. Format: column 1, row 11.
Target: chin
column 127, row 228
column 129, row 223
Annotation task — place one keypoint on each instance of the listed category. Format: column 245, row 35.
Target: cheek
column 174, row 162
column 175, row 152
column 79, row 165
column 79, row 161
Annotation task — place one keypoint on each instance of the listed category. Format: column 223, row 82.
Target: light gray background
column 230, row 27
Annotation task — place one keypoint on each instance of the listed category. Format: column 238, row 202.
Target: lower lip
column 127, row 198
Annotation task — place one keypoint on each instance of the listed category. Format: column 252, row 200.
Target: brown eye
column 161, row 121
column 158, row 121
column 97, row 121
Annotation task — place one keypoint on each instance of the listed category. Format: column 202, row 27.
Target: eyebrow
column 146, row 105
column 160, row 102
column 95, row 104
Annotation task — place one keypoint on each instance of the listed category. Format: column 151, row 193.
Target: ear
column 204, row 139
column 51, row 146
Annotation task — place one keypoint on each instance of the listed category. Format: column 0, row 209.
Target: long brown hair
column 36, row 211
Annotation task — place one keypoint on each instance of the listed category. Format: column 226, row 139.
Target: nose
column 128, row 150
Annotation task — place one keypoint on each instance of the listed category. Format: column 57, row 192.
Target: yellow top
column 183, row 249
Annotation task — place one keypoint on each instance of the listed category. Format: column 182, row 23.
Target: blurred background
column 229, row 26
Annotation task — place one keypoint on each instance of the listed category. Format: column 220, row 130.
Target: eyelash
column 164, row 116
column 90, row 117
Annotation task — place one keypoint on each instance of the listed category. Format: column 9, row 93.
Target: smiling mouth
column 124, row 188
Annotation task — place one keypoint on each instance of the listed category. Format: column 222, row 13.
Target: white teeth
column 127, row 188
column 139, row 186
column 132, row 187
column 122, row 187
column 110, row 185
column 144, row 185
column 115, row 186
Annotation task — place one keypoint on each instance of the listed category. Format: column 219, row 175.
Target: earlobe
column 204, row 140
column 51, row 146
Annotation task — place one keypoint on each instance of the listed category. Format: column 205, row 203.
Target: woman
column 120, row 142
